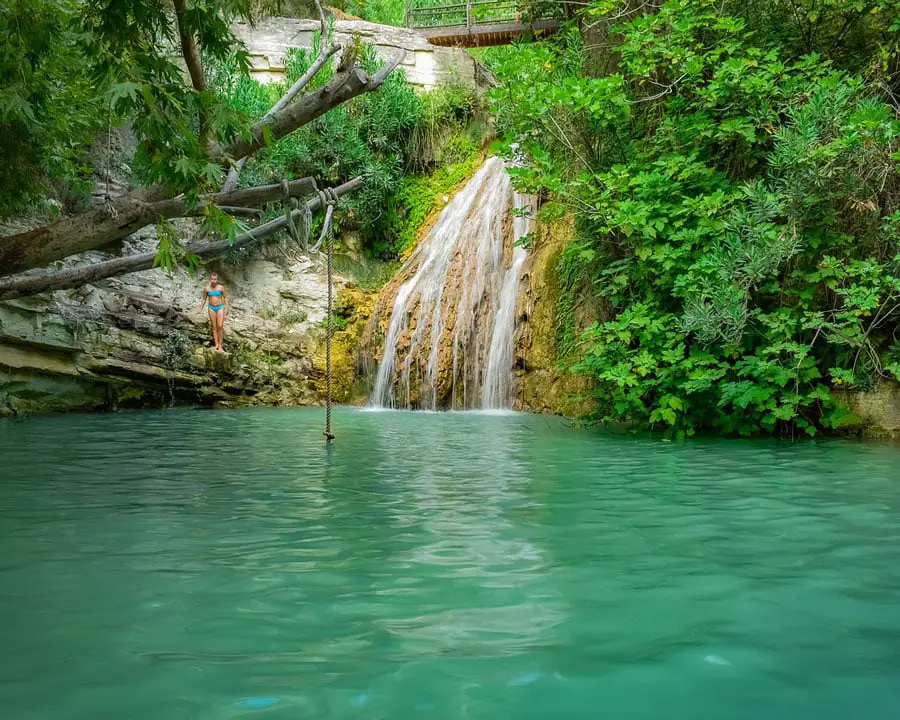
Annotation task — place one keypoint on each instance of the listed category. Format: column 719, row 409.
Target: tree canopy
column 73, row 68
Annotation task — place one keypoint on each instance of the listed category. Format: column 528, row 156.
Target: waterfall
column 497, row 392
column 449, row 340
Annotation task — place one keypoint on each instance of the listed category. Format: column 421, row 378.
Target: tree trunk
column 100, row 227
column 131, row 212
column 194, row 64
column 31, row 284
column 341, row 88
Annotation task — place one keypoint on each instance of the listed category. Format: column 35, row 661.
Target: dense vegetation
column 409, row 147
column 73, row 70
column 733, row 169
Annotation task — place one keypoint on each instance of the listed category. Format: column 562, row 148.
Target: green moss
column 244, row 355
column 420, row 195
column 353, row 309
column 369, row 275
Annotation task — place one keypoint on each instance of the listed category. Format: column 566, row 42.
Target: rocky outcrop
column 426, row 66
column 544, row 385
column 143, row 340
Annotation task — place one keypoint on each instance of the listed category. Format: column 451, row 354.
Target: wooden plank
column 486, row 35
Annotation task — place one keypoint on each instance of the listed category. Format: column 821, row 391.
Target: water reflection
column 452, row 496
column 446, row 565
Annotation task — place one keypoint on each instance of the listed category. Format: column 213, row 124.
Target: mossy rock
column 356, row 307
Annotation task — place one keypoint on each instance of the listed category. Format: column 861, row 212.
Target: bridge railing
column 463, row 15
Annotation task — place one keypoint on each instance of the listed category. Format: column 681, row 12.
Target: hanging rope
column 290, row 204
column 328, row 200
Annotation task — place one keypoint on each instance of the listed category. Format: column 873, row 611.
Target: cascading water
column 497, row 391
column 449, row 341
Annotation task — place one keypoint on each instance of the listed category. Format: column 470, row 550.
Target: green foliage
column 170, row 250
column 176, row 350
column 74, row 68
column 338, row 323
column 130, row 54
column 382, row 137
column 369, row 275
column 292, row 317
column 49, row 110
column 734, row 175
column 70, row 68
column 572, row 272
column 385, row 12
column 417, row 197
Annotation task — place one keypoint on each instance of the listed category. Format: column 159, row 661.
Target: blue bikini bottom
column 216, row 308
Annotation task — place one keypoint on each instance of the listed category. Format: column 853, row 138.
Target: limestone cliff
column 141, row 340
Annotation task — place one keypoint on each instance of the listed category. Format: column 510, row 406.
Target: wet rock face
column 142, row 340
column 876, row 411
column 543, row 384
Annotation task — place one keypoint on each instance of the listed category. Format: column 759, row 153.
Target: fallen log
column 127, row 214
column 32, row 283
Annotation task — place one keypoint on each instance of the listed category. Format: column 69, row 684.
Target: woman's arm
column 202, row 298
column 227, row 301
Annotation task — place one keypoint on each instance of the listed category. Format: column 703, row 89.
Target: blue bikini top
column 213, row 293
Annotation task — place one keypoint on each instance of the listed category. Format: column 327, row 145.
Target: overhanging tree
column 188, row 137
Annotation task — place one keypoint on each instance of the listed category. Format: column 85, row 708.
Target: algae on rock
column 352, row 309
column 545, row 383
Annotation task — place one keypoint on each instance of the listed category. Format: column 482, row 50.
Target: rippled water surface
column 225, row 565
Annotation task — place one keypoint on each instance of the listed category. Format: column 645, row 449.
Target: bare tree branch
column 32, row 283
column 260, row 195
column 129, row 213
column 97, row 228
column 325, row 53
column 341, row 88
column 240, row 211
column 666, row 89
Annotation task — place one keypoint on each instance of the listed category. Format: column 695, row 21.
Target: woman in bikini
column 216, row 301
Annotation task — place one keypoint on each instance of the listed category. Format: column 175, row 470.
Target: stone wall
column 425, row 65
column 877, row 410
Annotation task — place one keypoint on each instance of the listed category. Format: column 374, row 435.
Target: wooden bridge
column 475, row 23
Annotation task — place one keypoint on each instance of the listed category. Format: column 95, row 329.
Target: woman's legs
column 220, row 325
column 213, row 323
